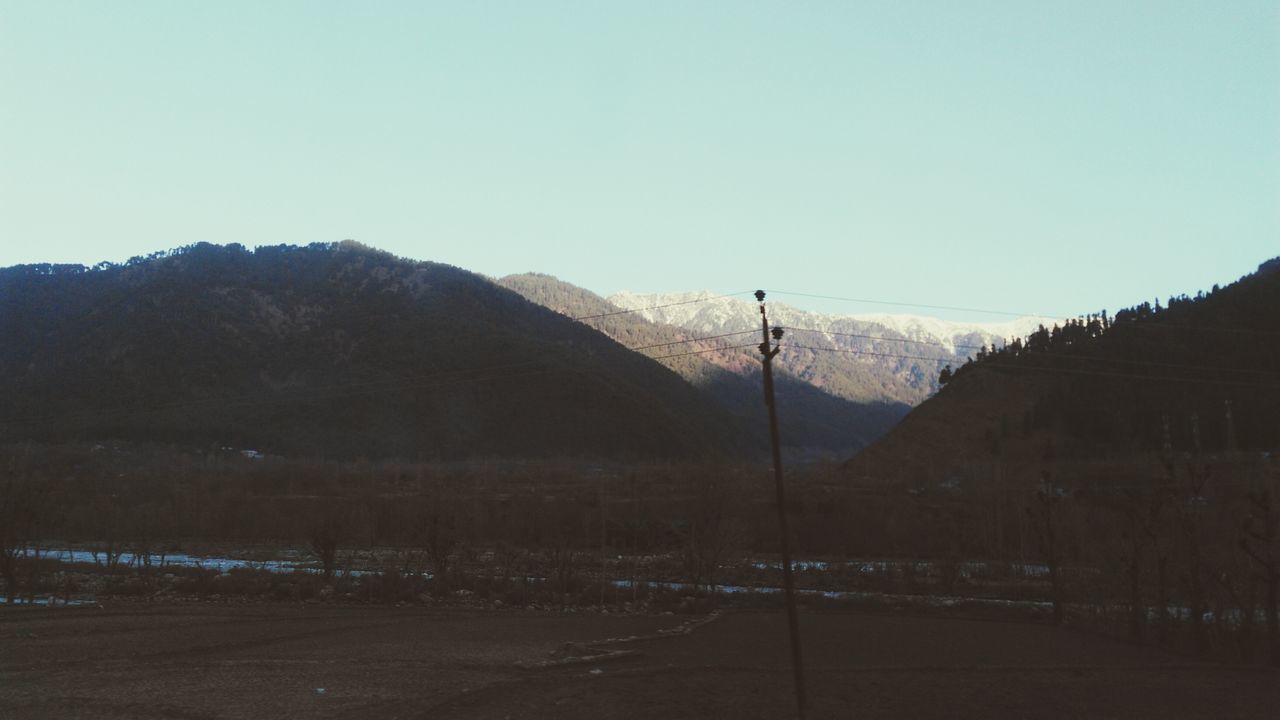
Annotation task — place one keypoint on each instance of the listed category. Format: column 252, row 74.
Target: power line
column 1075, row 371
column 442, row 379
column 822, row 332
column 374, row 386
column 1147, row 363
column 946, row 346
column 708, row 350
column 1154, row 322
column 916, row 305
column 866, row 352
column 659, row 307
column 691, row 340
column 886, row 339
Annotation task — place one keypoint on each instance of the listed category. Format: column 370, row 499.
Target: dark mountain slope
column 812, row 419
column 1205, row 368
column 333, row 350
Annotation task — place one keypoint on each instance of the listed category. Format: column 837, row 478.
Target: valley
column 271, row 439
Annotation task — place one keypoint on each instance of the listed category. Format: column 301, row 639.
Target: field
column 211, row 660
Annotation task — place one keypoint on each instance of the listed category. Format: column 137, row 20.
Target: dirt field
column 303, row 661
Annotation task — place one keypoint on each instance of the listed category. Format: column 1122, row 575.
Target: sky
column 1032, row 157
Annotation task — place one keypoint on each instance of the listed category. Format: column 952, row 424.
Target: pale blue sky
column 1051, row 157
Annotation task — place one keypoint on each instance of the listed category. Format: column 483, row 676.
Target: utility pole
column 604, row 540
column 768, row 352
column 1231, row 431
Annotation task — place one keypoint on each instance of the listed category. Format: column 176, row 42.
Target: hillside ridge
column 329, row 350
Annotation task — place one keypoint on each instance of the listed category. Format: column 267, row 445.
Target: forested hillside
column 327, row 350
column 1190, row 374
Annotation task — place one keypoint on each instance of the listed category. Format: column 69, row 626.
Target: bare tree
column 562, row 560
column 1261, row 536
column 1143, row 535
column 439, row 529
column 13, row 521
column 326, row 535
column 711, row 532
column 1188, row 512
column 1045, row 513
column 24, row 507
column 1157, row 524
column 1134, row 541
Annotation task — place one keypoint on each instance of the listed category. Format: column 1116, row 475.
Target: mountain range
column 339, row 350
column 843, row 381
column 333, row 350
column 816, row 423
column 862, row 358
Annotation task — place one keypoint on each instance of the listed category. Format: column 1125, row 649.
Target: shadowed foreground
column 209, row 661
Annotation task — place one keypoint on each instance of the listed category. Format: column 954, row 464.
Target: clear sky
column 1051, row 157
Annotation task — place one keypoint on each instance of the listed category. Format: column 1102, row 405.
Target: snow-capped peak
column 706, row 312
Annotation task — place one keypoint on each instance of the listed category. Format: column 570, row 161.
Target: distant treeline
column 1147, row 375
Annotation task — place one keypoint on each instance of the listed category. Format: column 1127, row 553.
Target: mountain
column 1196, row 376
column 327, row 350
column 815, row 421
column 861, row 358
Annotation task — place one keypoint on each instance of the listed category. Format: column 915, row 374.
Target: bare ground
column 303, row 661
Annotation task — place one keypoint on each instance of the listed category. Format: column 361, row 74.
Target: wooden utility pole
column 768, row 352
column 604, row 541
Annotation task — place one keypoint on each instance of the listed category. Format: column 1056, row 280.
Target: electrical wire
column 932, row 343
column 708, row 350
column 1033, row 368
column 439, row 379
column 953, row 308
column 692, row 340
column 659, row 307
column 864, row 352
column 1145, row 363
column 1153, row 322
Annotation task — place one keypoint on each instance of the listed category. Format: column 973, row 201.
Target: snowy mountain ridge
column 705, row 312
